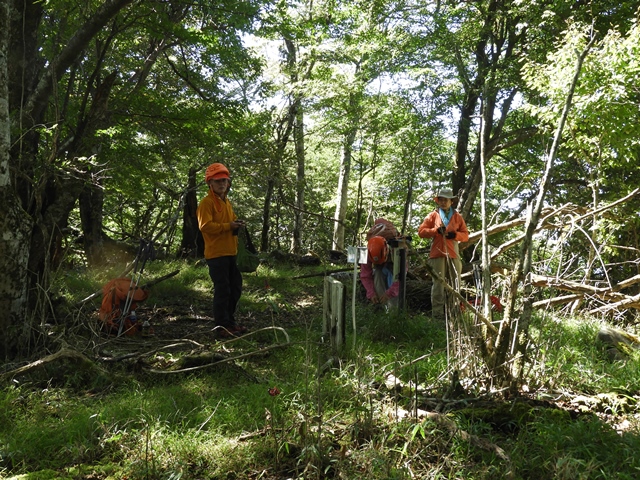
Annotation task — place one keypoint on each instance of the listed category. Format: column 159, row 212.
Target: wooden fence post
column 333, row 312
column 400, row 246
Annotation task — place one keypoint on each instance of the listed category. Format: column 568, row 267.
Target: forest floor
column 187, row 325
column 176, row 317
column 386, row 408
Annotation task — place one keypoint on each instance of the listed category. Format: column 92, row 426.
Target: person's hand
column 237, row 225
column 375, row 300
column 442, row 230
column 384, row 299
column 451, row 235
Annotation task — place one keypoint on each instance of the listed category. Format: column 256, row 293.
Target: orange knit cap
column 377, row 247
column 216, row 170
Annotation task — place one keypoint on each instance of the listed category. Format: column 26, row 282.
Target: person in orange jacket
column 447, row 227
column 219, row 226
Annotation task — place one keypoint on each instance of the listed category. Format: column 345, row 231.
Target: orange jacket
column 214, row 220
column 429, row 229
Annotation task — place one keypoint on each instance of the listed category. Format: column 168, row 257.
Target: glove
column 442, row 230
column 451, row 235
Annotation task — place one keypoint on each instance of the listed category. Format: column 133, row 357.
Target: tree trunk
column 490, row 140
column 298, row 138
column 406, row 212
column 472, row 87
column 90, row 204
column 342, row 194
column 15, row 225
column 35, row 208
column 298, row 133
column 486, row 254
column 283, row 134
column 192, row 242
column 523, row 263
column 467, row 110
column 266, row 215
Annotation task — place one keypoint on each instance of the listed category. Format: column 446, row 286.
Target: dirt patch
column 179, row 319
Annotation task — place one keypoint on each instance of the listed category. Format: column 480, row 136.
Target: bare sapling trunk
column 298, row 136
column 486, row 258
column 515, row 343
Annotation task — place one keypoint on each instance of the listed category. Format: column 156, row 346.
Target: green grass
column 222, row 422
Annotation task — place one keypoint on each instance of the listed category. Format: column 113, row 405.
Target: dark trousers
column 227, row 289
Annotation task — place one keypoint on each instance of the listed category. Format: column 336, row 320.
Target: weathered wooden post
column 357, row 255
column 333, row 312
column 400, row 245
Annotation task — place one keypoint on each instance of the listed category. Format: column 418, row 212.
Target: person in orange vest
column 219, row 226
column 446, row 227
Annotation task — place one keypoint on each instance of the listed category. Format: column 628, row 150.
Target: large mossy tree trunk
column 15, row 225
column 37, row 190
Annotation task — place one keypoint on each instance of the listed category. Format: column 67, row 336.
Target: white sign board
column 361, row 253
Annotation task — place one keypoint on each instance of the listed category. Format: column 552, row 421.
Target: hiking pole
column 477, row 277
column 149, row 254
column 129, row 299
column 145, row 251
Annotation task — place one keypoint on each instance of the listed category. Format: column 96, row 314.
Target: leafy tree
column 598, row 158
column 73, row 75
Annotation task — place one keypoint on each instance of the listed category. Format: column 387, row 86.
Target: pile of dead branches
column 597, row 296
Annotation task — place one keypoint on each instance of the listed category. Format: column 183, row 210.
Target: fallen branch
column 549, row 302
column 219, row 362
column 65, row 353
column 579, row 290
column 603, row 293
column 160, row 279
column 443, row 421
column 323, row 274
column 609, row 205
column 548, row 213
column 627, row 283
column 178, row 343
column 446, row 422
column 627, row 302
column 545, row 222
column 230, row 359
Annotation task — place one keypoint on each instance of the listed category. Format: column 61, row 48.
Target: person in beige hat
column 447, row 227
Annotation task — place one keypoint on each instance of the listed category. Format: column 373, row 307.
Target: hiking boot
column 239, row 329
column 230, row 332
column 224, row 332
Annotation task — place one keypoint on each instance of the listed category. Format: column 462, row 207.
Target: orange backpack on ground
column 114, row 301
